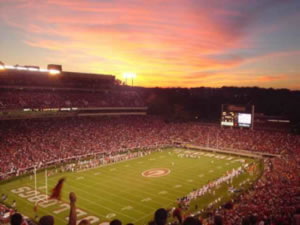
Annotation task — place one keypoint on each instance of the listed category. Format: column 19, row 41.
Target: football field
column 128, row 190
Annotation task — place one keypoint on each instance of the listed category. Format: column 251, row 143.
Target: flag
column 56, row 191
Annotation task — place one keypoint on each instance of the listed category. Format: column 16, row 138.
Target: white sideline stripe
column 110, row 164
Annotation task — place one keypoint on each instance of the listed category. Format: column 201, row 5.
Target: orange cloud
column 166, row 43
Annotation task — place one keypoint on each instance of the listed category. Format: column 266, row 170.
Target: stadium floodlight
column 2, row 67
column 33, row 69
column 54, row 72
column 21, row 68
column 9, row 67
column 129, row 75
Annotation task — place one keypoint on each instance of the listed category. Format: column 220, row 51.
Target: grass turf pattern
column 121, row 191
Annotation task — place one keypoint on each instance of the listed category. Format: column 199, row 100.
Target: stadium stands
column 25, row 144
column 41, row 141
column 20, row 99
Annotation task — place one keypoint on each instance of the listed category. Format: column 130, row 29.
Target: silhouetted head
column 16, row 219
column 161, row 216
column 46, row 220
column 115, row 222
column 192, row 221
column 218, row 220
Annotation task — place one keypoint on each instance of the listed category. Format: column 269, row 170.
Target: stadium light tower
column 129, row 75
column 54, row 72
column 2, row 66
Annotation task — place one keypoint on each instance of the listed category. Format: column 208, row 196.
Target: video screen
column 244, row 120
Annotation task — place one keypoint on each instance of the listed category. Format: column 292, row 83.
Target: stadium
column 125, row 153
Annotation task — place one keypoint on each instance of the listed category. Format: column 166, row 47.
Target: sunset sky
column 167, row 43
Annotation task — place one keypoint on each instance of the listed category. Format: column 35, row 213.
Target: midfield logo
column 157, row 172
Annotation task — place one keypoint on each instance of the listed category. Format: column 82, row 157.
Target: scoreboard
column 237, row 116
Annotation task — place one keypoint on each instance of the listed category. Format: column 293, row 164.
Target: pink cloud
column 164, row 38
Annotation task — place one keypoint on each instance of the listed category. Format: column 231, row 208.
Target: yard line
column 136, row 190
column 100, row 197
column 101, row 206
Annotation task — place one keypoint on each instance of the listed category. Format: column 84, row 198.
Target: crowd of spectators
column 37, row 142
column 39, row 99
column 272, row 200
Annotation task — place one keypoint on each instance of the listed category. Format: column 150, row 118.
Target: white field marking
column 239, row 160
column 127, row 165
column 112, row 169
column 181, row 179
column 211, row 171
column 219, row 167
column 201, row 153
column 177, row 186
column 220, row 157
column 79, row 178
column 188, row 152
column 229, row 158
column 135, row 180
column 96, row 174
column 95, row 203
column 110, row 215
column 127, row 199
column 114, row 202
column 146, row 199
column 79, row 213
column 226, row 164
column 190, row 180
column 162, row 192
column 200, row 175
column 129, row 207
column 209, row 155
column 198, row 153
column 91, row 219
column 105, row 223
column 41, row 209
column 156, row 172
column 109, row 164
column 47, row 203
column 152, row 159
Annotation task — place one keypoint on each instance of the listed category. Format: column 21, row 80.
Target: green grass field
column 120, row 191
